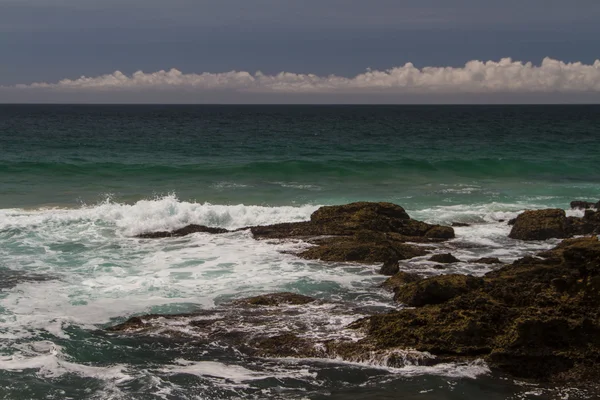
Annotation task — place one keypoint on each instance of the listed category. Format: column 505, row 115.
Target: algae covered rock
column 537, row 318
column 437, row 289
column 540, row 225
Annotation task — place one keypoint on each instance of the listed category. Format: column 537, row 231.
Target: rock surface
column 553, row 223
column 390, row 268
column 536, row 318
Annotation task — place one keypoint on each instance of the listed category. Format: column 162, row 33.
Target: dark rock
column 583, row 205
column 536, row 318
column 460, row 224
column 364, row 246
column 553, row 223
column 187, row 230
column 437, row 289
column 346, row 220
column 511, row 221
column 488, row 260
column 276, row 299
column 390, row 268
column 446, row 258
column 540, row 225
column 10, row 278
column 440, row 232
column 400, row 279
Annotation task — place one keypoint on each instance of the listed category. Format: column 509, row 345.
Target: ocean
column 78, row 182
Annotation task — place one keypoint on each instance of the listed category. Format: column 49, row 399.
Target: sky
column 321, row 51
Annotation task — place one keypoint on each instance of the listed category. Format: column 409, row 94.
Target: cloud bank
column 504, row 76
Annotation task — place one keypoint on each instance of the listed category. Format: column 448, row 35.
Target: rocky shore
column 536, row 318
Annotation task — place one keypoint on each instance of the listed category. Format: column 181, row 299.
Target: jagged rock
column 390, row 268
column 488, row 260
column 437, row 289
column 584, row 205
column 537, row 318
column 446, row 258
column 540, row 225
column 187, row 230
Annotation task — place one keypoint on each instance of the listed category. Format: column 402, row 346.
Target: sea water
column 78, row 183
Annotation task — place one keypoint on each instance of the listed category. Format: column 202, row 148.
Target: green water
column 78, row 182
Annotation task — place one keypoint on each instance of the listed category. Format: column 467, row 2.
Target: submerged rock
column 446, row 258
column 488, row 260
column 276, row 299
column 273, row 325
column 187, row 230
column 537, row 318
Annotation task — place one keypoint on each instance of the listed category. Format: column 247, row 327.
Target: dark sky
column 48, row 40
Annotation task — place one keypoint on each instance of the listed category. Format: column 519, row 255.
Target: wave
column 163, row 213
column 304, row 169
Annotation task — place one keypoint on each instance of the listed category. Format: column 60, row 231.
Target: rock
column 540, row 225
column 364, row 246
column 187, row 230
column 446, row 258
column 511, row 221
column 276, row 299
column 488, row 260
column 400, row 279
column 436, row 290
column 583, row 205
column 537, row 318
column 346, row 220
column 440, row 232
column 460, row 224
column 390, row 268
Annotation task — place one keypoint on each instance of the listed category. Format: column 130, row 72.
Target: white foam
column 166, row 213
column 47, row 358
column 234, row 373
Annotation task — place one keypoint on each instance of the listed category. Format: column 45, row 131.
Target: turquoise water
column 278, row 155
column 78, row 182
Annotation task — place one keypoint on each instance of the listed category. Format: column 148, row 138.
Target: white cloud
column 504, row 76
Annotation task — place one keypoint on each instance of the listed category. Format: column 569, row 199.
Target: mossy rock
column 540, row 225
column 437, row 289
